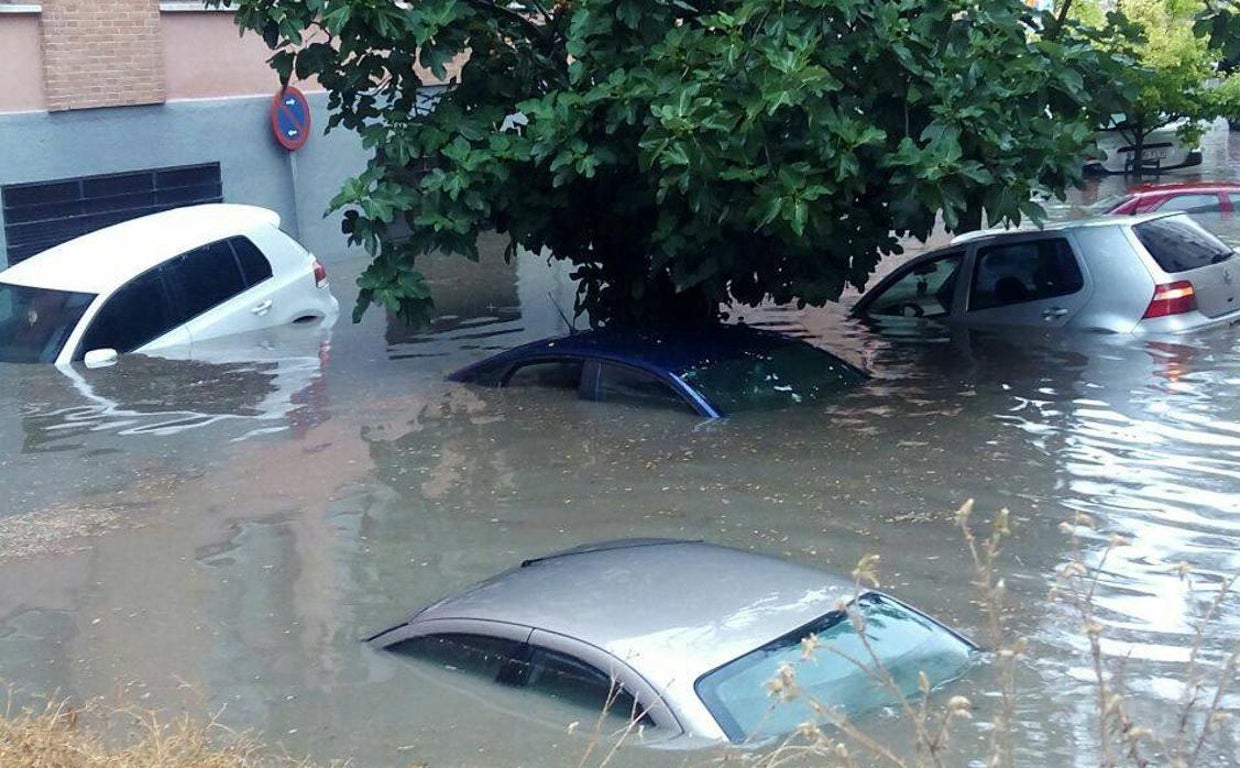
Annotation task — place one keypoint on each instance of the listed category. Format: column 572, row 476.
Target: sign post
column 290, row 124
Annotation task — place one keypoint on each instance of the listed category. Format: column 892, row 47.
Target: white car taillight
column 320, row 274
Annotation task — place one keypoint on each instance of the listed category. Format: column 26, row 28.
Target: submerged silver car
column 682, row 637
column 1153, row 273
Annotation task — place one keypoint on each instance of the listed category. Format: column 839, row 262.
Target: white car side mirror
column 98, row 358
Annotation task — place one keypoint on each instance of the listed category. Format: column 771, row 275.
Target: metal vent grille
column 43, row 214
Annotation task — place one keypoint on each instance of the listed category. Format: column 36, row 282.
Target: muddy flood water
column 218, row 535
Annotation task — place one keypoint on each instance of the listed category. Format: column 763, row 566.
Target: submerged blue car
column 713, row 371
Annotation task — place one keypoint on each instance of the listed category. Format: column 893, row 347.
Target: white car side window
column 204, row 278
column 136, row 314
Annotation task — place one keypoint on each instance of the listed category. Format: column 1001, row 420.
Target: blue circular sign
column 290, row 118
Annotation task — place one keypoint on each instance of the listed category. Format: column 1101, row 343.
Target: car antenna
column 571, row 328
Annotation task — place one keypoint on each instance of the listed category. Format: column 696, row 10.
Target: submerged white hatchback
column 159, row 282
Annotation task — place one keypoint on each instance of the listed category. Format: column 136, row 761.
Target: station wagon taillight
column 320, row 274
column 1171, row 299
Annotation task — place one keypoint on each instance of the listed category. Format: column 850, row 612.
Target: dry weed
column 63, row 736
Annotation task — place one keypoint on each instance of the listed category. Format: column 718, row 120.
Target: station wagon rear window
column 1180, row 244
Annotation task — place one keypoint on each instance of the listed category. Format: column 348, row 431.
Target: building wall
column 102, row 53
column 206, row 57
column 131, row 88
column 21, row 61
column 235, row 132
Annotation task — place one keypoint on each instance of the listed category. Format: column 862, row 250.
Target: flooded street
column 217, row 535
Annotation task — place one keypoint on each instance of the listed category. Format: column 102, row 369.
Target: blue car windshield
column 836, row 674
column 36, row 322
column 771, row 378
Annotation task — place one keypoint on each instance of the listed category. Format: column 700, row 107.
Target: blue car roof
column 685, row 360
column 662, row 351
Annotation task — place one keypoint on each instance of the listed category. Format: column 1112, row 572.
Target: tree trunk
column 1138, row 149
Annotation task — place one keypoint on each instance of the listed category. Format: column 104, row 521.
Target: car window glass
column 1191, row 203
column 1107, row 204
column 36, row 322
column 837, row 674
column 1179, row 244
column 622, row 384
column 254, row 265
column 1234, row 199
column 1015, row 273
column 473, row 654
column 576, row 683
column 795, row 372
column 136, row 314
column 204, row 278
column 556, row 374
column 925, row 290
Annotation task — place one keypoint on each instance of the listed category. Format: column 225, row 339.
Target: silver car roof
column 672, row 610
column 1026, row 228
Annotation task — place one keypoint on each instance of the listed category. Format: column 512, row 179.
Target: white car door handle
column 1054, row 313
column 262, row 307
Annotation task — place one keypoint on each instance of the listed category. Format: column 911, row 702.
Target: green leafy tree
column 685, row 154
column 1169, row 63
column 1219, row 22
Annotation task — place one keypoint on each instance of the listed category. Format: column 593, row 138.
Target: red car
column 1193, row 197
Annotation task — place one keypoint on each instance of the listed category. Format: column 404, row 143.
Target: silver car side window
column 478, row 655
column 575, row 682
column 1030, row 270
column 924, row 290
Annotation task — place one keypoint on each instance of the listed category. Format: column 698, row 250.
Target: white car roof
column 103, row 260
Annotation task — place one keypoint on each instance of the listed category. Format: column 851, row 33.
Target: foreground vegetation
column 59, row 737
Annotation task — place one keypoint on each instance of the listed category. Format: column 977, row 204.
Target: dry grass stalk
column 1123, row 741
column 58, row 737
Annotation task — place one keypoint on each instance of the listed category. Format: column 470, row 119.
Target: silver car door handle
column 1054, row 313
column 261, row 307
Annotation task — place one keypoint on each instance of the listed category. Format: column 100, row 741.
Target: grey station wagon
column 682, row 637
column 1154, row 273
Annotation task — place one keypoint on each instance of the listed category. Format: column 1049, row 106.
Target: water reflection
column 236, row 525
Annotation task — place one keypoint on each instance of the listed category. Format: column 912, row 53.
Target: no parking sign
column 290, row 118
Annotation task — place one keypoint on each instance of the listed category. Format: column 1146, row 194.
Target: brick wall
column 102, row 53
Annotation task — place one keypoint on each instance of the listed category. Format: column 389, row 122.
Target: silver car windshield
column 35, row 322
column 836, row 674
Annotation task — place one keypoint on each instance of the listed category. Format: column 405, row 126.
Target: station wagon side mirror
column 98, row 358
